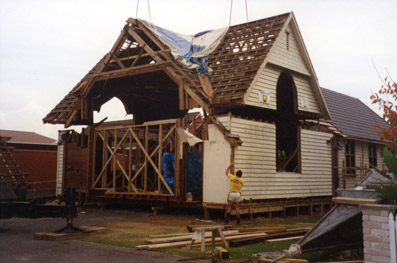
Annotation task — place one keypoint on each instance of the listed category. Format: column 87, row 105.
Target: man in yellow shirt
column 234, row 196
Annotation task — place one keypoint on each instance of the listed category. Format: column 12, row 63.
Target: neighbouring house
column 260, row 100
column 35, row 156
column 359, row 145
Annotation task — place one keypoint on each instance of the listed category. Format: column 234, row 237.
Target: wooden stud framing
column 134, row 142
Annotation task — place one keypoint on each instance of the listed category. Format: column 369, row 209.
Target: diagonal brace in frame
column 151, row 161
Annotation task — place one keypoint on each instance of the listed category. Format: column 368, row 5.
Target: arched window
column 114, row 111
column 287, row 125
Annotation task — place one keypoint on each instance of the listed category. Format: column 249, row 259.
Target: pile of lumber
column 235, row 238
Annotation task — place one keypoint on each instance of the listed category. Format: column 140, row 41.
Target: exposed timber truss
column 136, row 52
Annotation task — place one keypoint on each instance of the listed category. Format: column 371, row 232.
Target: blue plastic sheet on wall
column 194, row 172
column 168, row 167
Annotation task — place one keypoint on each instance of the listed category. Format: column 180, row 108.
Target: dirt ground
column 132, row 232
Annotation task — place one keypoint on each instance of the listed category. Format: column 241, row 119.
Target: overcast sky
column 47, row 46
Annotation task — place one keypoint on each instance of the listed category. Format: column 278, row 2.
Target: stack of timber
column 235, row 238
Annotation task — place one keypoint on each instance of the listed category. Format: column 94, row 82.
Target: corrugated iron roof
column 351, row 116
column 26, row 137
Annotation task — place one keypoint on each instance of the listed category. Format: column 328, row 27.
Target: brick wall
column 377, row 233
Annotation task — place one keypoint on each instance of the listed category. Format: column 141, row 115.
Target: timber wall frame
column 127, row 160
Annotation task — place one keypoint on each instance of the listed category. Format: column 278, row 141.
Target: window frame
column 350, row 157
column 372, row 155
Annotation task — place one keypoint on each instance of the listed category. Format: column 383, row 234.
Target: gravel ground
column 17, row 243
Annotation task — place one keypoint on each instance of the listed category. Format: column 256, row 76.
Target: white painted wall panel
column 216, row 159
column 60, row 161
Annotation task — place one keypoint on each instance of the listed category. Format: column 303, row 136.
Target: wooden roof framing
column 234, row 63
column 238, row 58
column 135, row 52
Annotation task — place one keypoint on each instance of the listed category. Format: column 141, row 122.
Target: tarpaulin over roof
column 191, row 50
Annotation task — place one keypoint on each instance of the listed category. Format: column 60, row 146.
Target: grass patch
column 106, row 241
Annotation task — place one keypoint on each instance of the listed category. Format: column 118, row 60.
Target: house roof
column 352, row 117
column 234, row 63
column 26, row 137
column 239, row 56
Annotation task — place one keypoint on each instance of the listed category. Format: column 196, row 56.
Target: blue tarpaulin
column 194, row 172
column 168, row 167
column 191, row 50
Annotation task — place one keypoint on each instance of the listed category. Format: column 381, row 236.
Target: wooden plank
column 185, row 236
column 223, row 253
column 284, row 239
column 142, row 69
column 130, row 164
column 114, row 159
column 206, row 85
column 145, row 175
column 190, row 227
column 263, row 229
column 196, row 242
column 253, row 240
column 160, row 155
column 354, row 201
column 295, row 260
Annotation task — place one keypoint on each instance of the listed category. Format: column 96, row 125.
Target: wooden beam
column 120, row 73
column 145, row 177
column 354, row 201
column 144, row 45
column 151, row 161
column 206, row 84
column 182, row 105
column 171, row 73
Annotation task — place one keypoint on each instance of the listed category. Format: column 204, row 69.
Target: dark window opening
column 287, row 126
column 350, row 158
column 372, row 155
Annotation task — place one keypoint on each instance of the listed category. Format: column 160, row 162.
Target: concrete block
column 372, row 238
column 371, row 224
column 378, row 232
column 386, row 239
column 365, row 217
column 384, row 213
column 380, row 259
column 371, row 212
column 367, row 243
column 367, row 257
column 381, row 219
column 375, row 251
column 384, row 226
column 380, row 245
column 366, row 231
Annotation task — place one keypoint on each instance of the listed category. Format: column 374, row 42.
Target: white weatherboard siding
column 316, row 156
column 287, row 53
column 305, row 92
column 266, row 80
column 216, row 160
column 257, row 159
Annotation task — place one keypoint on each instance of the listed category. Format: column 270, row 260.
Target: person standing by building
column 234, row 196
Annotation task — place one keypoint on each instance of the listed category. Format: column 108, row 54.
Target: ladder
column 10, row 171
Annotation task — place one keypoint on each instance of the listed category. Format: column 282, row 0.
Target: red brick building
column 36, row 155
